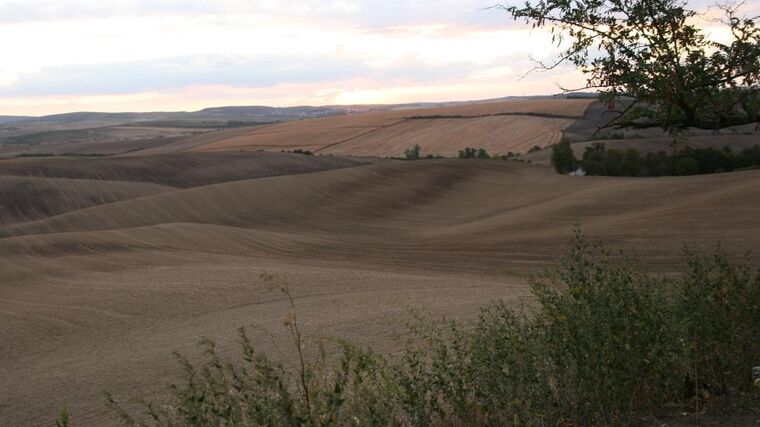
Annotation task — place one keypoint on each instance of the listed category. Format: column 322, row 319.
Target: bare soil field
column 499, row 126
column 445, row 137
column 108, row 265
column 103, row 140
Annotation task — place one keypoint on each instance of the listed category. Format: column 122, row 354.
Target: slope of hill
column 500, row 126
column 114, row 133
column 177, row 170
column 11, row 119
column 109, row 265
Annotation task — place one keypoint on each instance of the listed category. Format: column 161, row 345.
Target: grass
column 605, row 344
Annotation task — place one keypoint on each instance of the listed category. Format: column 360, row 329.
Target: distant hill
column 11, row 119
column 92, row 132
column 253, row 113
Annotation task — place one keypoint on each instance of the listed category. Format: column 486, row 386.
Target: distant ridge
column 12, row 119
column 262, row 111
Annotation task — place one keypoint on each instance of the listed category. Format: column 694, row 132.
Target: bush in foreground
column 605, row 344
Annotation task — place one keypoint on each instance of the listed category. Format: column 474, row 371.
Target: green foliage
column 299, row 151
column 473, row 153
column 413, row 153
column 63, row 418
column 262, row 392
column 720, row 306
column 652, row 53
column 563, row 158
column 605, row 344
column 599, row 160
column 686, row 166
column 535, row 148
column 240, row 123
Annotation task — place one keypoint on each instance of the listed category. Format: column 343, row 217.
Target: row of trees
column 415, row 153
column 600, row 160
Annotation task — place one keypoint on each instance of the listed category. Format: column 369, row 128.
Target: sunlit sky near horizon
column 177, row 55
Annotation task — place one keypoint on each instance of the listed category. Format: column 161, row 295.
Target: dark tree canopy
column 653, row 53
column 563, row 159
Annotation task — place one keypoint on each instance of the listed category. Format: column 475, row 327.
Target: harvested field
column 30, row 198
column 188, row 143
column 445, row 137
column 175, row 170
column 102, row 140
column 499, row 126
column 132, row 258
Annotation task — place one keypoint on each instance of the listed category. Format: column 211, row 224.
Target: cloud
column 237, row 71
column 152, row 51
column 170, row 73
column 345, row 13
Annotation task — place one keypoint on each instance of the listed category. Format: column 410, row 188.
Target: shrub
column 63, row 418
column 686, row 166
column 473, row 153
column 413, row 153
column 604, row 345
column 535, row 148
column 598, row 160
column 563, row 158
column 720, row 305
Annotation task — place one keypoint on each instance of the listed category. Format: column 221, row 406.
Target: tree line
column 600, row 160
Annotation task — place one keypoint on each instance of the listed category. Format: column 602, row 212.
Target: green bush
column 604, row 344
column 535, row 148
column 413, row 153
column 473, row 153
column 563, row 158
column 720, row 306
column 599, row 160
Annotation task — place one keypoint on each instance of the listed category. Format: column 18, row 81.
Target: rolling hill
column 110, row 264
column 498, row 126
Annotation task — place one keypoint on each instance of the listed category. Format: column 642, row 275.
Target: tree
column 563, row 158
column 413, row 153
column 651, row 55
column 594, row 159
column 472, row 153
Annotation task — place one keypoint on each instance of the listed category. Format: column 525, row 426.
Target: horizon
column 211, row 107
column 170, row 55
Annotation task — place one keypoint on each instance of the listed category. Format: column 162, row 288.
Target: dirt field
column 102, row 140
column 109, row 265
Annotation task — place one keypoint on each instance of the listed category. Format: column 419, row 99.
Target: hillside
column 369, row 130
column 109, row 265
column 498, row 126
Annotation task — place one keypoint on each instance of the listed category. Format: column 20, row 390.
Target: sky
column 182, row 55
